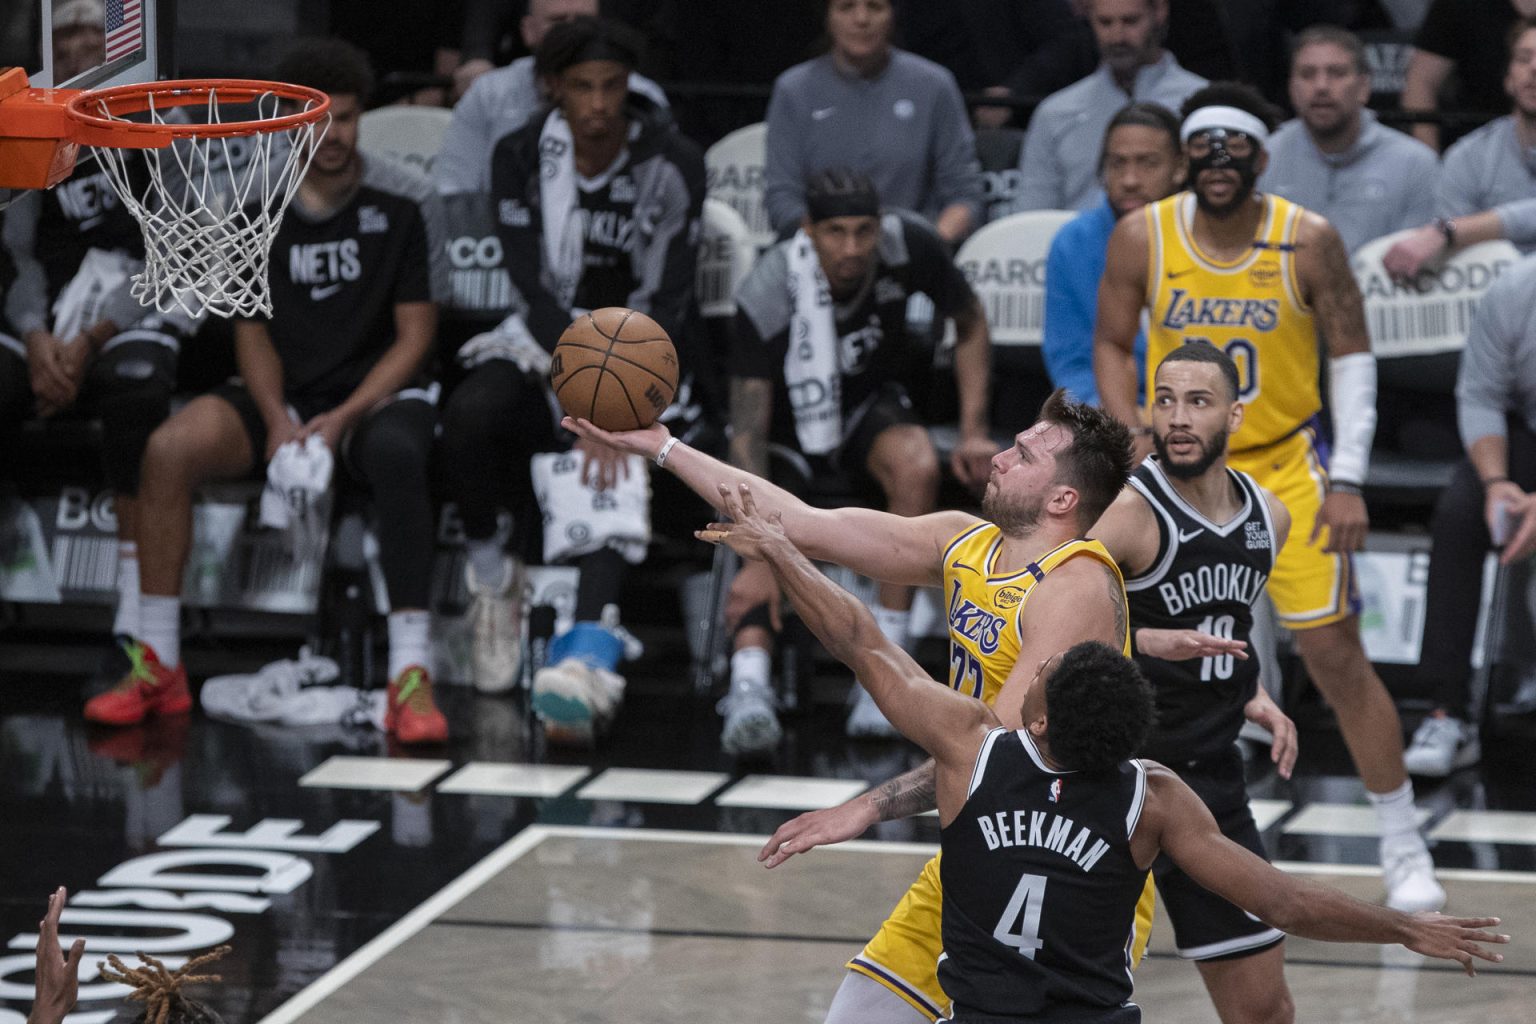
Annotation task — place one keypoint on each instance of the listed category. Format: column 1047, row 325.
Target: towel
column 294, row 498
column 579, row 520
column 564, row 228
column 811, row 372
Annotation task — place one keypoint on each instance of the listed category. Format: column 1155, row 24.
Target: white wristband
column 1352, row 392
column 666, row 449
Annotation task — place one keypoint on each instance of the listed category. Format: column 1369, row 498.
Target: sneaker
column 1409, row 875
column 147, row 688
column 496, row 613
column 576, row 702
column 412, row 715
column 751, row 721
column 866, row 720
column 1441, row 744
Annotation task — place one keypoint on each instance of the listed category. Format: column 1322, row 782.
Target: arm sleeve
column 1040, row 176
column 1069, row 313
column 463, row 162
column 784, row 173
column 26, row 304
column 956, row 167
column 666, row 263
column 1483, row 389
column 519, row 228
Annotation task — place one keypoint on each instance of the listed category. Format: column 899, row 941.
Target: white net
column 209, row 207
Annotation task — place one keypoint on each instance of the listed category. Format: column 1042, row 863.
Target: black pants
column 1460, row 537
column 495, row 420
column 388, row 451
column 128, row 386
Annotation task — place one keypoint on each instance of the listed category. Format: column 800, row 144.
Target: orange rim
column 123, row 100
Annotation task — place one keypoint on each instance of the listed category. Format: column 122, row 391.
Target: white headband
column 1230, row 118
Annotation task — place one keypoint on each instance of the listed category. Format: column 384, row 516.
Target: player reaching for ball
column 597, row 204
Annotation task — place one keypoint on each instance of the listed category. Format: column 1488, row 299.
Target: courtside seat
column 734, row 174
column 410, row 134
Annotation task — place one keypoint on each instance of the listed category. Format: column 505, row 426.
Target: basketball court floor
column 488, row 882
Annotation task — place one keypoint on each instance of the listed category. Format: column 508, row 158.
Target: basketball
column 614, row 367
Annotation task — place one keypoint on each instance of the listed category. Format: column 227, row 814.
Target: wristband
column 1491, row 480
column 666, row 449
column 1345, row 487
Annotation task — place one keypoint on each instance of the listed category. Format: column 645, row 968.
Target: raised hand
column 58, row 973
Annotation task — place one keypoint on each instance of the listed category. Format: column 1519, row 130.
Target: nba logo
column 1055, row 791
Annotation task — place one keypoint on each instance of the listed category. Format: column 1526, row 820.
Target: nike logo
column 319, row 292
column 1180, row 273
column 962, row 565
column 822, row 114
column 1184, row 538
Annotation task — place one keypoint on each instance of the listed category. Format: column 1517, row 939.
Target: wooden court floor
column 568, row 924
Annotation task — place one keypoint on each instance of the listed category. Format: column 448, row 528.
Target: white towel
column 811, row 372
column 89, row 297
column 579, row 519
column 563, row 228
column 294, row 498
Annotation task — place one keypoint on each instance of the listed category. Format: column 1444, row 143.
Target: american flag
column 125, row 27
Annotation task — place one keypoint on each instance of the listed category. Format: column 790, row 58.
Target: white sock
column 126, row 622
column 751, row 667
column 1396, row 813
column 895, row 625
column 160, row 627
column 410, row 641
column 485, row 560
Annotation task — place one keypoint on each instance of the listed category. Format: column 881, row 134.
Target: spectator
column 1067, row 131
column 857, row 359
column 353, row 284
column 1142, row 161
column 79, row 38
column 1334, row 158
column 90, row 349
column 1488, row 503
column 882, row 111
column 1487, row 185
column 502, row 101
column 1467, row 38
column 613, row 221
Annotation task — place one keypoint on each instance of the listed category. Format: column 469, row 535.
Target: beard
column 1210, row 451
column 1015, row 517
column 1221, row 211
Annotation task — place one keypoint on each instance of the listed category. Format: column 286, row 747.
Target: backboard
column 85, row 44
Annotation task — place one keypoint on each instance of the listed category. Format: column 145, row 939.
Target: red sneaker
column 147, row 688
column 412, row 715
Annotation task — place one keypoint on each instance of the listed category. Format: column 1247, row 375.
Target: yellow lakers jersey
column 985, row 608
column 1252, row 309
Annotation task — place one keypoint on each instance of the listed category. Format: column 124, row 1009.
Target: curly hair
column 1098, row 461
column 576, row 40
column 1232, row 94
column 1098, row 708
column 334, row 66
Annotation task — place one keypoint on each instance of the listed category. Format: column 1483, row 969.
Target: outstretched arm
column 1185, row 830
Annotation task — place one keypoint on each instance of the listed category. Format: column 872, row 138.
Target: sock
column 410, row 641
column 896, row 625
column 126, row 623
column 750, row 668
column 1395, row 812
column 485, row 561
column 160, row 627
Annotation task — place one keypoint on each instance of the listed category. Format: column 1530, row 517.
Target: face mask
column 1219, row 158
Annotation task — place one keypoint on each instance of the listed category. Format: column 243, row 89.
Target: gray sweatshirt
column 906, row 128
column 1383, row 183
column 1060, row 164
column 1498, row 367
column 1490, row 169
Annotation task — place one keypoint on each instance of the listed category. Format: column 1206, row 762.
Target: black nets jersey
column 873, row 346
column 1040, row 889
column 336, row 280
column 1206, row 576
column 607, row 206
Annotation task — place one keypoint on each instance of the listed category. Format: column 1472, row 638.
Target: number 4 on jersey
column 1024, row 910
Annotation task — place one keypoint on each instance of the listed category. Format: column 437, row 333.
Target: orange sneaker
column 412, row 715
column 147, row 688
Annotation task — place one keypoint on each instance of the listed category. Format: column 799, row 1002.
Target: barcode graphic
column 1423, row 327
column 750, row 206
column 482, row 289
column 85, row 563
column 1015, row 312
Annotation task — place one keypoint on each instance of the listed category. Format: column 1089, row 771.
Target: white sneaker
column 1441, row 744
column 576, row 701
column 1409, row 875
column 866, row 719
column 496, row 613
column 751, row 721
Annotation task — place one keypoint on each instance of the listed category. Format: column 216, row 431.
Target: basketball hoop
column 222, row 160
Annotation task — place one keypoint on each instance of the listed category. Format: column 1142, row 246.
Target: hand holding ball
column 614, row 367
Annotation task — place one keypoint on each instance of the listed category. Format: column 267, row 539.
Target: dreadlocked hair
column 160, row 990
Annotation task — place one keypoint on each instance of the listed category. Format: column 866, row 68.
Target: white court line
column 503, row 856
